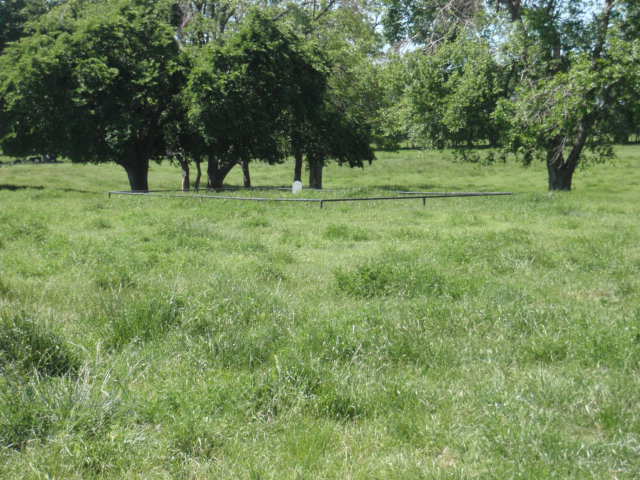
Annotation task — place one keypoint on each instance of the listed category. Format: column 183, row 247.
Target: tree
column 391, row 122
column 343, row 31
column 184, row 143
column 95, row 84
column 453, row 93
column 334, row 136
column 569, row 69
column 429, row 23
column 241, row 94
column 576, row 70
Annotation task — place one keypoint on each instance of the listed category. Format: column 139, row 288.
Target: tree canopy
column 548, row 79
column 133, row 81
column 95, row 88
column 241, row 93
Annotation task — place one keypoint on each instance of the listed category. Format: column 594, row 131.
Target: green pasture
column 182, row 338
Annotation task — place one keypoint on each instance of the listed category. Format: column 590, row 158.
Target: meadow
column 489, row 337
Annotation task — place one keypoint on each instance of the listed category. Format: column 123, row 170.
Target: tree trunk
column 212, row 170
column 560, row 176
column 184, row 164
column 198, row 175
column 315, row 173
column 621, row 138
column 297, row 169
column 217, row 173
column 246, row 175
column 138, row 173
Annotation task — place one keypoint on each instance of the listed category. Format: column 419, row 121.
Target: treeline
column 133, row 81
column 228, row 82
column 552, row 80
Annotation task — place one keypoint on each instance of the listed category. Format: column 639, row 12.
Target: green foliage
column 555, row 103
column 96, row 87
column 388, row 84
column 239, row 94
column 428, row 22
column 453, row 93
column 14, row 17
column 576, row 82
column 334, row 135
column 546, row 81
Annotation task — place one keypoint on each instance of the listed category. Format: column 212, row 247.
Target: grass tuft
column 35, row 408
column 29, row 345
column 138, row 320
column 395, row 277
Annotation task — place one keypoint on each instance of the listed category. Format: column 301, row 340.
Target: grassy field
column 180, row 338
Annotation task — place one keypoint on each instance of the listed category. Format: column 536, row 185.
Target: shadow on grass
column 402, row 188
column 13, row 188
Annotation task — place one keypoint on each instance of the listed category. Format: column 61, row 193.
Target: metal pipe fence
column 321, row 201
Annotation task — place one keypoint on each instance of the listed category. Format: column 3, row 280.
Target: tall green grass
column 181, row 338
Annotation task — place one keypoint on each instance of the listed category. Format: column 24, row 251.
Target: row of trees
column 133, row 81
column 208, row 81
column 556, row 80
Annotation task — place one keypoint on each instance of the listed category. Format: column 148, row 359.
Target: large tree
column 242, row 94
column 95, row 84
column 577, row 69
column 453, row 93
column 570, row 70
column 345, row 31
column 333, row 135
column 342, row 30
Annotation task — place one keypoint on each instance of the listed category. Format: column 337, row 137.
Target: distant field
column 182, row 338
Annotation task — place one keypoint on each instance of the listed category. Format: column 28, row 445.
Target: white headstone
column 296, row 187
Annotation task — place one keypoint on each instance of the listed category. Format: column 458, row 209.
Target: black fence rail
column 321, row 201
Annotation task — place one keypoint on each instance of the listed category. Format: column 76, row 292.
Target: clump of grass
column 256, row 222
column 5, row 290
column 270, row 272
column 347, row 233
column 139, row 319
column 31, row 346
column 23, row 414
column 546, row 350
column 37, row 407
column 386, row 277
column 114, row 279
column 30, row 230
column 307, row 386
column 249, row 348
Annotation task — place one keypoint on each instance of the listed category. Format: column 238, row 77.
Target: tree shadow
column 403, row 188
column 13, row 188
